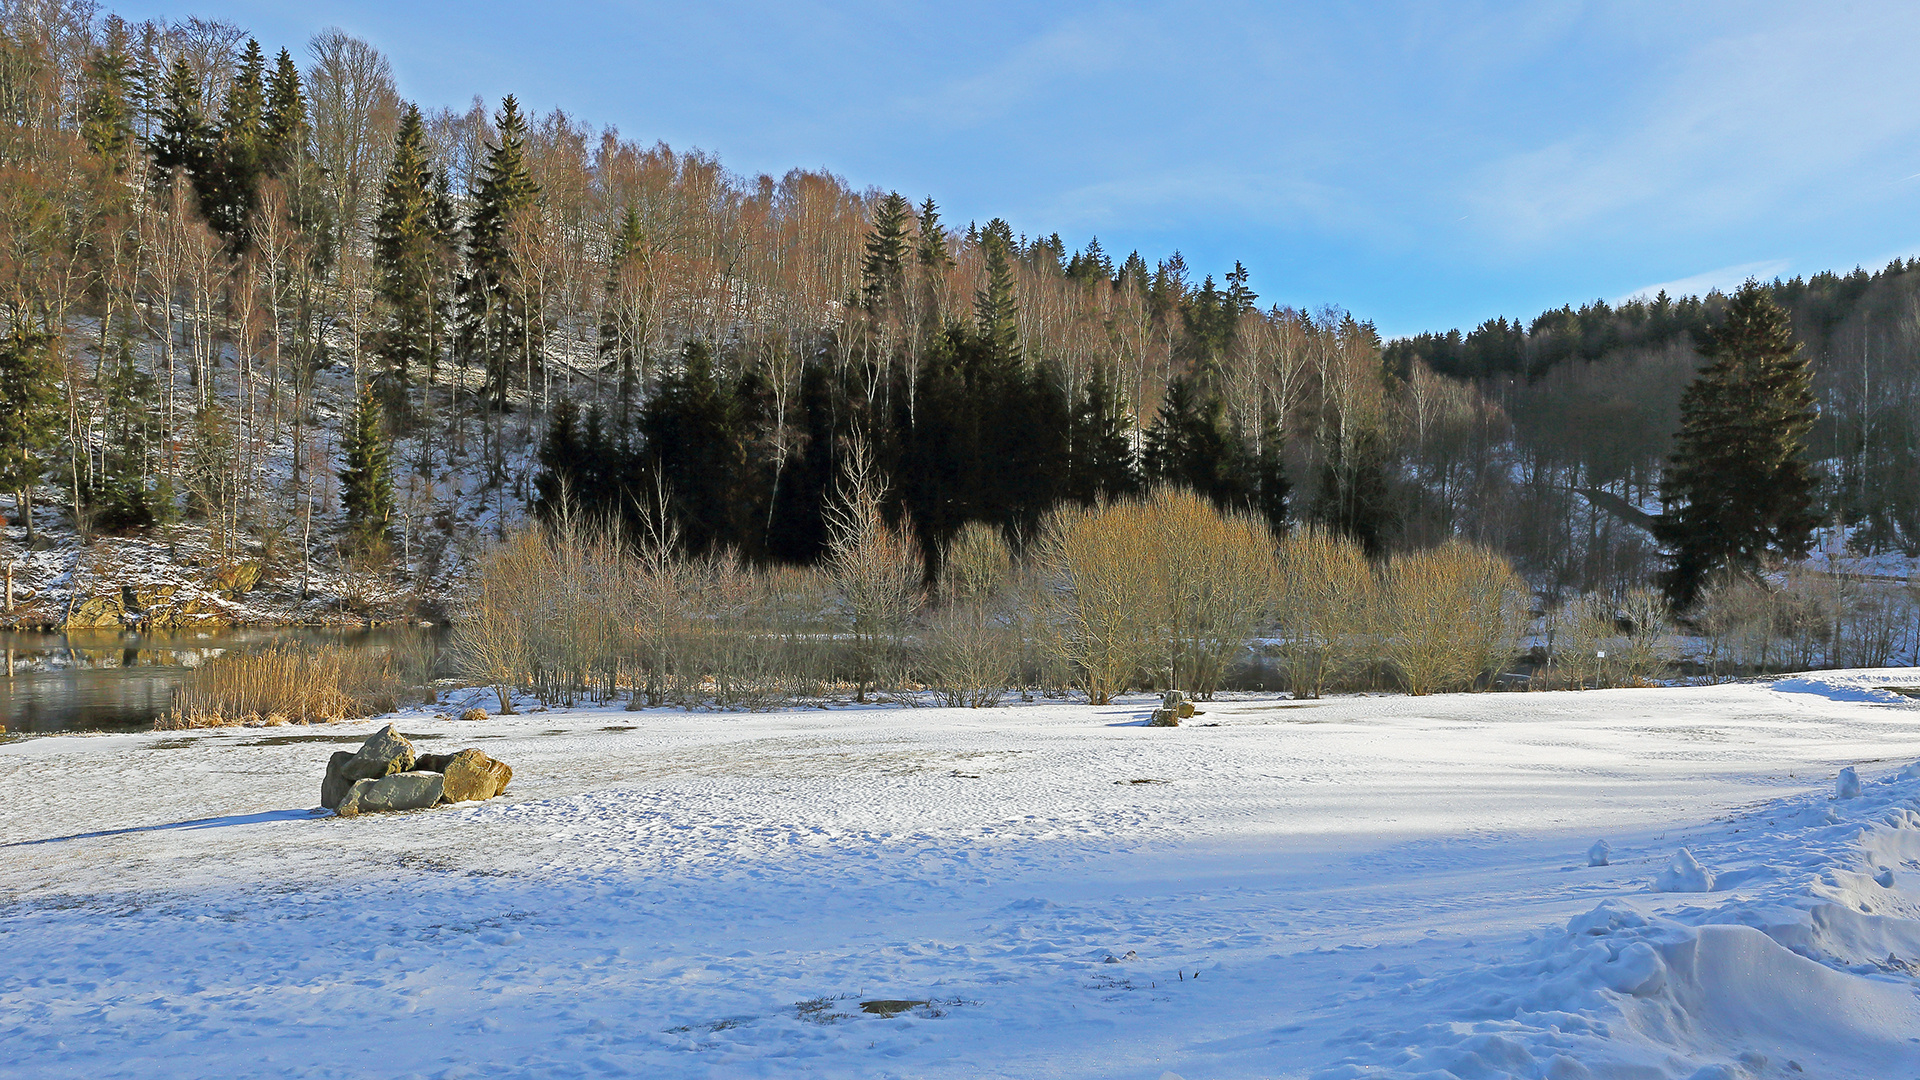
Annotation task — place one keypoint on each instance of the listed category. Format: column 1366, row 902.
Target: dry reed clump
column 278, row 686
column 1449, row 616
column 1166, row 589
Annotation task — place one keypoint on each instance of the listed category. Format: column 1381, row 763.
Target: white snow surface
column 1356, row 887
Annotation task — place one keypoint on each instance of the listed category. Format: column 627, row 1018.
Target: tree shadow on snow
column 198, row 823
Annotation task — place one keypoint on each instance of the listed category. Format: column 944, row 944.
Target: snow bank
column 1870, row 685
column 1809, row 973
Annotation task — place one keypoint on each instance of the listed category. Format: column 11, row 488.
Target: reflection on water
column 94, row 679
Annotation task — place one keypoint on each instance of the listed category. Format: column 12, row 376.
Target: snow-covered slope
column 1366, row 886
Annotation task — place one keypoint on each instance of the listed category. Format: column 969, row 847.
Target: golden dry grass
column 279, row 686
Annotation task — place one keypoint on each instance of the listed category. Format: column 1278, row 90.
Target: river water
column 104, row 680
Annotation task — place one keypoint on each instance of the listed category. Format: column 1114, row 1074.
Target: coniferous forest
column 254, row 296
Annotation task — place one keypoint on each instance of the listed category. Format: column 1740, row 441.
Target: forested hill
column 261, row 310
column 1599, row 385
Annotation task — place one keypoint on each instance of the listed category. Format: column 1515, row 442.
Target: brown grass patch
column 281, row 686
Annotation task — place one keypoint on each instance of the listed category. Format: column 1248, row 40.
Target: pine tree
column 931, row 256
column 496, row 325
column 995, row 310
column 1100, row 447
column 30, row 403
column 883, row 273
column 184, row 142
column 232, row 186
column 623, row 321
column 106, row 111
column 1740, row 486
column 411, row 237
column 285, row 122
column 367, row 480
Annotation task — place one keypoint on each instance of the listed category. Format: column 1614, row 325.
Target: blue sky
column 1427, row 165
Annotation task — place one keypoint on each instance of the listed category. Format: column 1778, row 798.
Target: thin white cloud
column 1725, row 279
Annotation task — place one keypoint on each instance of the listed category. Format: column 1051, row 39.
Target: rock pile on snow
column 386, row 774
column 1174, row 707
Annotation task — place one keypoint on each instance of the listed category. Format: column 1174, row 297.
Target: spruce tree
column 1191, row 444
column 184, row 142
column 284, row 135
column 695, row 432
column 995, row 310
column 623, row 329
column 411, row 235
column 883, row 272
column 1739, row 486
column 1100, row 462
column 496, row 325
column 29, row 413
column 106, row 111
column 931, row 256
column 231, row 188
column 367, row 480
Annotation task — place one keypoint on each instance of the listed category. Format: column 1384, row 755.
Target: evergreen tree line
column 1596, row 390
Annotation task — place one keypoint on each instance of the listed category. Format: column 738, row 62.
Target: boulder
column 473, row 776
column 235, row 579
column 386, row 753
column 475, row 713
column 95, row 612
column 432, row 762
column 1164, row 718
column 399, row 791
column 334, row 787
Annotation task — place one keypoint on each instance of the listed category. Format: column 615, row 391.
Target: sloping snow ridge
column 1367, row 886
column 1809, row 971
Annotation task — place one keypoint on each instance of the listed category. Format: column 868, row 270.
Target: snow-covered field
column 1354, row 887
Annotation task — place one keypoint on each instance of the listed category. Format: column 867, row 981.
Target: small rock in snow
column 1597, row 854
column 1684, row 874
column 1848, row 785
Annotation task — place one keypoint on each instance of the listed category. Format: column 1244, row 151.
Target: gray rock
column 1165, row 718
column 473, row 776
column 386, row 753
column 431, row 762
column 334, row 787
column 398, row 791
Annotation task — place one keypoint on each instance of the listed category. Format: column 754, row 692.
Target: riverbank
column 1358, row 886
column 184, row 581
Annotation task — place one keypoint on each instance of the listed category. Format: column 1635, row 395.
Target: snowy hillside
column 1354, row 887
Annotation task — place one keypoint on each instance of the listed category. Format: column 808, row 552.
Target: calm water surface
column 91, row 680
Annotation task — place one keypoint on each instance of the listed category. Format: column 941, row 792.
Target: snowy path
column 1364, row 886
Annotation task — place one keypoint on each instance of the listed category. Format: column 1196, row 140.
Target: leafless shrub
column 1451, row 615
column 974, row 640
column 1324, row 609
column 1166, row 589
column 877, row 570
